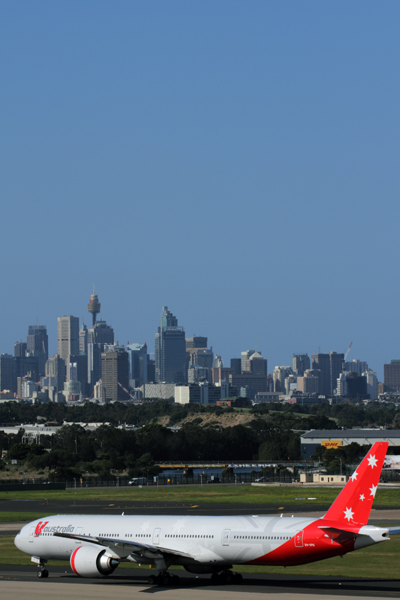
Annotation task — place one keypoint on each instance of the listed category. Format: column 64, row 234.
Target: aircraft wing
column 134, row 547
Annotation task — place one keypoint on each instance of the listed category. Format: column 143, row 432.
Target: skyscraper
column 391, row 376
column 68, row 336
column 55, row 367
column 300, row 363
column 101, row 334
column 94, row 366
column 322, row 363
column 138, row 358
column 83, row 339
column 19, row 349
column 244, row 357
column 170, row 347
column 8, row 379
column 37, row 344
column 115, row 373
column 330, row 366
column 335, row 365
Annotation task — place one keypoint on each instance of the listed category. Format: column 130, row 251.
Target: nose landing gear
column 41, row 563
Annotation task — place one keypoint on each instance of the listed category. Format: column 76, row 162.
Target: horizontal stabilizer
column 394, row 530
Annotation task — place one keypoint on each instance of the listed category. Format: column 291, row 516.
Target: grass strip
column 240, row 494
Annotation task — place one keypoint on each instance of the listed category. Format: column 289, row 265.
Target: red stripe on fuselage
column 314, row 544
column 73, row 560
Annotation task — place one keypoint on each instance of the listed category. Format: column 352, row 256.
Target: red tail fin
column 354, row 503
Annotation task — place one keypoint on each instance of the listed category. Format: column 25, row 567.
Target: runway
column 18, row 582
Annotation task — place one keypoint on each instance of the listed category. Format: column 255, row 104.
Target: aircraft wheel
column 164, row 580
column 229, row 578
column 152, row 580
column 43, row 573
column 238, row 578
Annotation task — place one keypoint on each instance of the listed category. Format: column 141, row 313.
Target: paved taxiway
column 18, row 582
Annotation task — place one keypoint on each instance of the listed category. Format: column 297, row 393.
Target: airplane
column 95, row 545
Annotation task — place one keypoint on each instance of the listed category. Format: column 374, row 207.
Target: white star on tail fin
column 348, row 514
column 373, row 490
column 362, row 497
column 372, row 461
column 354, row 476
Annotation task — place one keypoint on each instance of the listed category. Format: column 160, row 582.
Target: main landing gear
column 227, row 577
column 164, row 579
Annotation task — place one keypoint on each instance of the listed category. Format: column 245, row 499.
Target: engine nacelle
column 91, row 561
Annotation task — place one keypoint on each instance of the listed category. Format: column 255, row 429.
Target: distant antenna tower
column 94, row 306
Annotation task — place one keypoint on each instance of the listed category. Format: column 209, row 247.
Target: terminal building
column 334, row 438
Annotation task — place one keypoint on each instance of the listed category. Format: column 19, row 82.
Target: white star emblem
column 354, row 476
column 372, row 461
column 180, row 524
column 145, row 525
column 348, row 514
column 373, row 490
column 362, row 497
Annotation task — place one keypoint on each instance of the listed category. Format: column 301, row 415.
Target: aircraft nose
column 20, row 538
column 17, row 541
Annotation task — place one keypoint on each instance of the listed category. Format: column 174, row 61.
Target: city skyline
column 169, row 320
column 237, row 162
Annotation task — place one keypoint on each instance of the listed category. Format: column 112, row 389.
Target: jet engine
column 92, row 561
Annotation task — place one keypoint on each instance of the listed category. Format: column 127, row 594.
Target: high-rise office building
column 55, row 367
column 308, row 383
column 77, row 370
column 236, row 365
column 330, row 366
column 391, row 376
column 8, row 379
column 372, row 384
column 138, row 358
column 256, row 364
column 101, row 334
column 37, row 344
column 322, row 363
column 336, row 367
column 356, row 366
column 27, row 366
column 115, row 373
column 94, row 366
column 244, row 357
column 279, row 375
column 300, row 364
column 19, row 349
column 68, row 337
column 351, row 385
column 83, row 339
column 170, row 347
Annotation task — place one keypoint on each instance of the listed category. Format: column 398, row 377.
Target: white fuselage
column 207, row 539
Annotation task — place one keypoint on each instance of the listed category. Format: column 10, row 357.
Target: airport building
column 334, row 438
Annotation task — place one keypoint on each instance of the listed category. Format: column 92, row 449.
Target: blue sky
column 235, row 161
